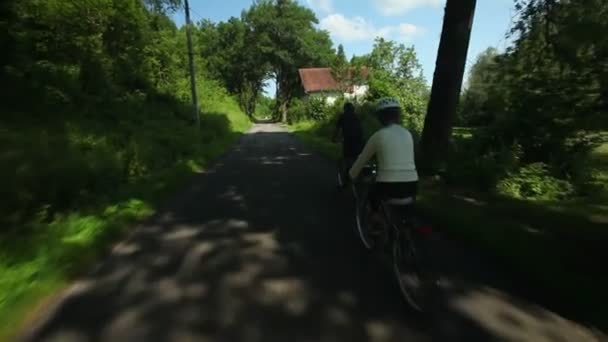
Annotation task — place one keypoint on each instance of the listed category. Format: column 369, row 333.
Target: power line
column 191, row 63
column 200, row 17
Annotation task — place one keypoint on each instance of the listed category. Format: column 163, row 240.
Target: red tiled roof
column 318, row 79
column 322, row 79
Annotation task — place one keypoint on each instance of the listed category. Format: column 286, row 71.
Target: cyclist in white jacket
column 393, row 146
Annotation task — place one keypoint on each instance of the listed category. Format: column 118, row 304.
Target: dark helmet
column 349, row 108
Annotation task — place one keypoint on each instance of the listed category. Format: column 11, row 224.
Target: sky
column 355, row 24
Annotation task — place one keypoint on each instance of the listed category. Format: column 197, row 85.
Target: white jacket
column 394, row 149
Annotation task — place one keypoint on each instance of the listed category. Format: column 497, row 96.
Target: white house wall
column 358, row 92
column 331, row 97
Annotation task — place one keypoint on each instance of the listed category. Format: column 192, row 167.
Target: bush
column 82, row 162
column 264, row 107
column 313, row 109
column 297, row 111
column 316, row 108
column 478, row 163
column 534, row 181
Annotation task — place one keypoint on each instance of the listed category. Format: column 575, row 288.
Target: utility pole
column 191, row 62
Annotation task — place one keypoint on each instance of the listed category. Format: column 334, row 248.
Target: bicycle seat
column 398, row 202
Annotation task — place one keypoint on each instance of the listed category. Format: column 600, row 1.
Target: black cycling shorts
column 385, row 190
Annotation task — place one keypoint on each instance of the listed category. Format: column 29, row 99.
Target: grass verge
column 43, row 253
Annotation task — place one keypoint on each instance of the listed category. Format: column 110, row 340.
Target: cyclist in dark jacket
column 352, row 133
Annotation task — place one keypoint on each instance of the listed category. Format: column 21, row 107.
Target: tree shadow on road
column 259, row 248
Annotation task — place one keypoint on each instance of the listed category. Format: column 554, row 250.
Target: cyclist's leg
column 349, row 155
column 375, row 196
column 377, row 193
column 349, row 160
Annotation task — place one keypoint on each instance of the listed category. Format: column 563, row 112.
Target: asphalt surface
column 261, row 247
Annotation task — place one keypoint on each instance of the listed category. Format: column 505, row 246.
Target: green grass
column 75, row 186
column 599, row 164
column 36, row 266
column 557, row 246
column 463, row 132
column 305, row 130
column 601, row 153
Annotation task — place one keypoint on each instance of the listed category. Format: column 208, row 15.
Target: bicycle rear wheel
column 417, row 285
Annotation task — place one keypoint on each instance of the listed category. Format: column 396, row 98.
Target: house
column 321, row 83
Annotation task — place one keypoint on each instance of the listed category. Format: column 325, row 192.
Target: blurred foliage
column 396, row 72
column 547, row 95
column 272, row 39
column 96, row 126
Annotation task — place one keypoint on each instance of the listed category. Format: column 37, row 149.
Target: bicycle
column 340, row 178
column 398, row 240
column 342, row 167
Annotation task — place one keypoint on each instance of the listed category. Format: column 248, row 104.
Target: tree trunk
column 284, row 112
column 447, row 82
column 283, row 96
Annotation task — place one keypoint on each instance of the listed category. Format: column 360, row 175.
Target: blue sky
column 355, row 23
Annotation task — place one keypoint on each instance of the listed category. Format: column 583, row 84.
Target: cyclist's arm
column 368, row 152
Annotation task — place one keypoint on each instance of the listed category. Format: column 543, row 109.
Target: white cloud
column 352, row 29
column 326, row 6
column 409, row 30
column 397, row 7
column 358, row 29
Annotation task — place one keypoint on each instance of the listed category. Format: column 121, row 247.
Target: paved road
column 261, row 248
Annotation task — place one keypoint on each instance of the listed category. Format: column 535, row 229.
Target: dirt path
column 261, row 248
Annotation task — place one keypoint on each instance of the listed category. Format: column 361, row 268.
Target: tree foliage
column 231, row 56
column 546, row 94
column 287, row 38
column 97, row 89
column 396, row 72
column 476, row 107
column 271, row 40
column 551, row 84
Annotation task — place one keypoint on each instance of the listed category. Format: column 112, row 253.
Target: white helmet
column 387, row 102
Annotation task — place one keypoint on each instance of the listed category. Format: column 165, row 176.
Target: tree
column 231, row 56
column 447, row 81
column 554, row 81
column 340, row 59
column 340, row 68
column 163, row 62
column 396, row 72
column 163, row 6
column 544, row 100
column 478, row 106
column 288, row 40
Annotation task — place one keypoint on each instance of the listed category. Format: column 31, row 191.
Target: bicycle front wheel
column 339, row 176
column 362, row 227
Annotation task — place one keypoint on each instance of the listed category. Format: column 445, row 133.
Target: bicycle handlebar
column 368, row 173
